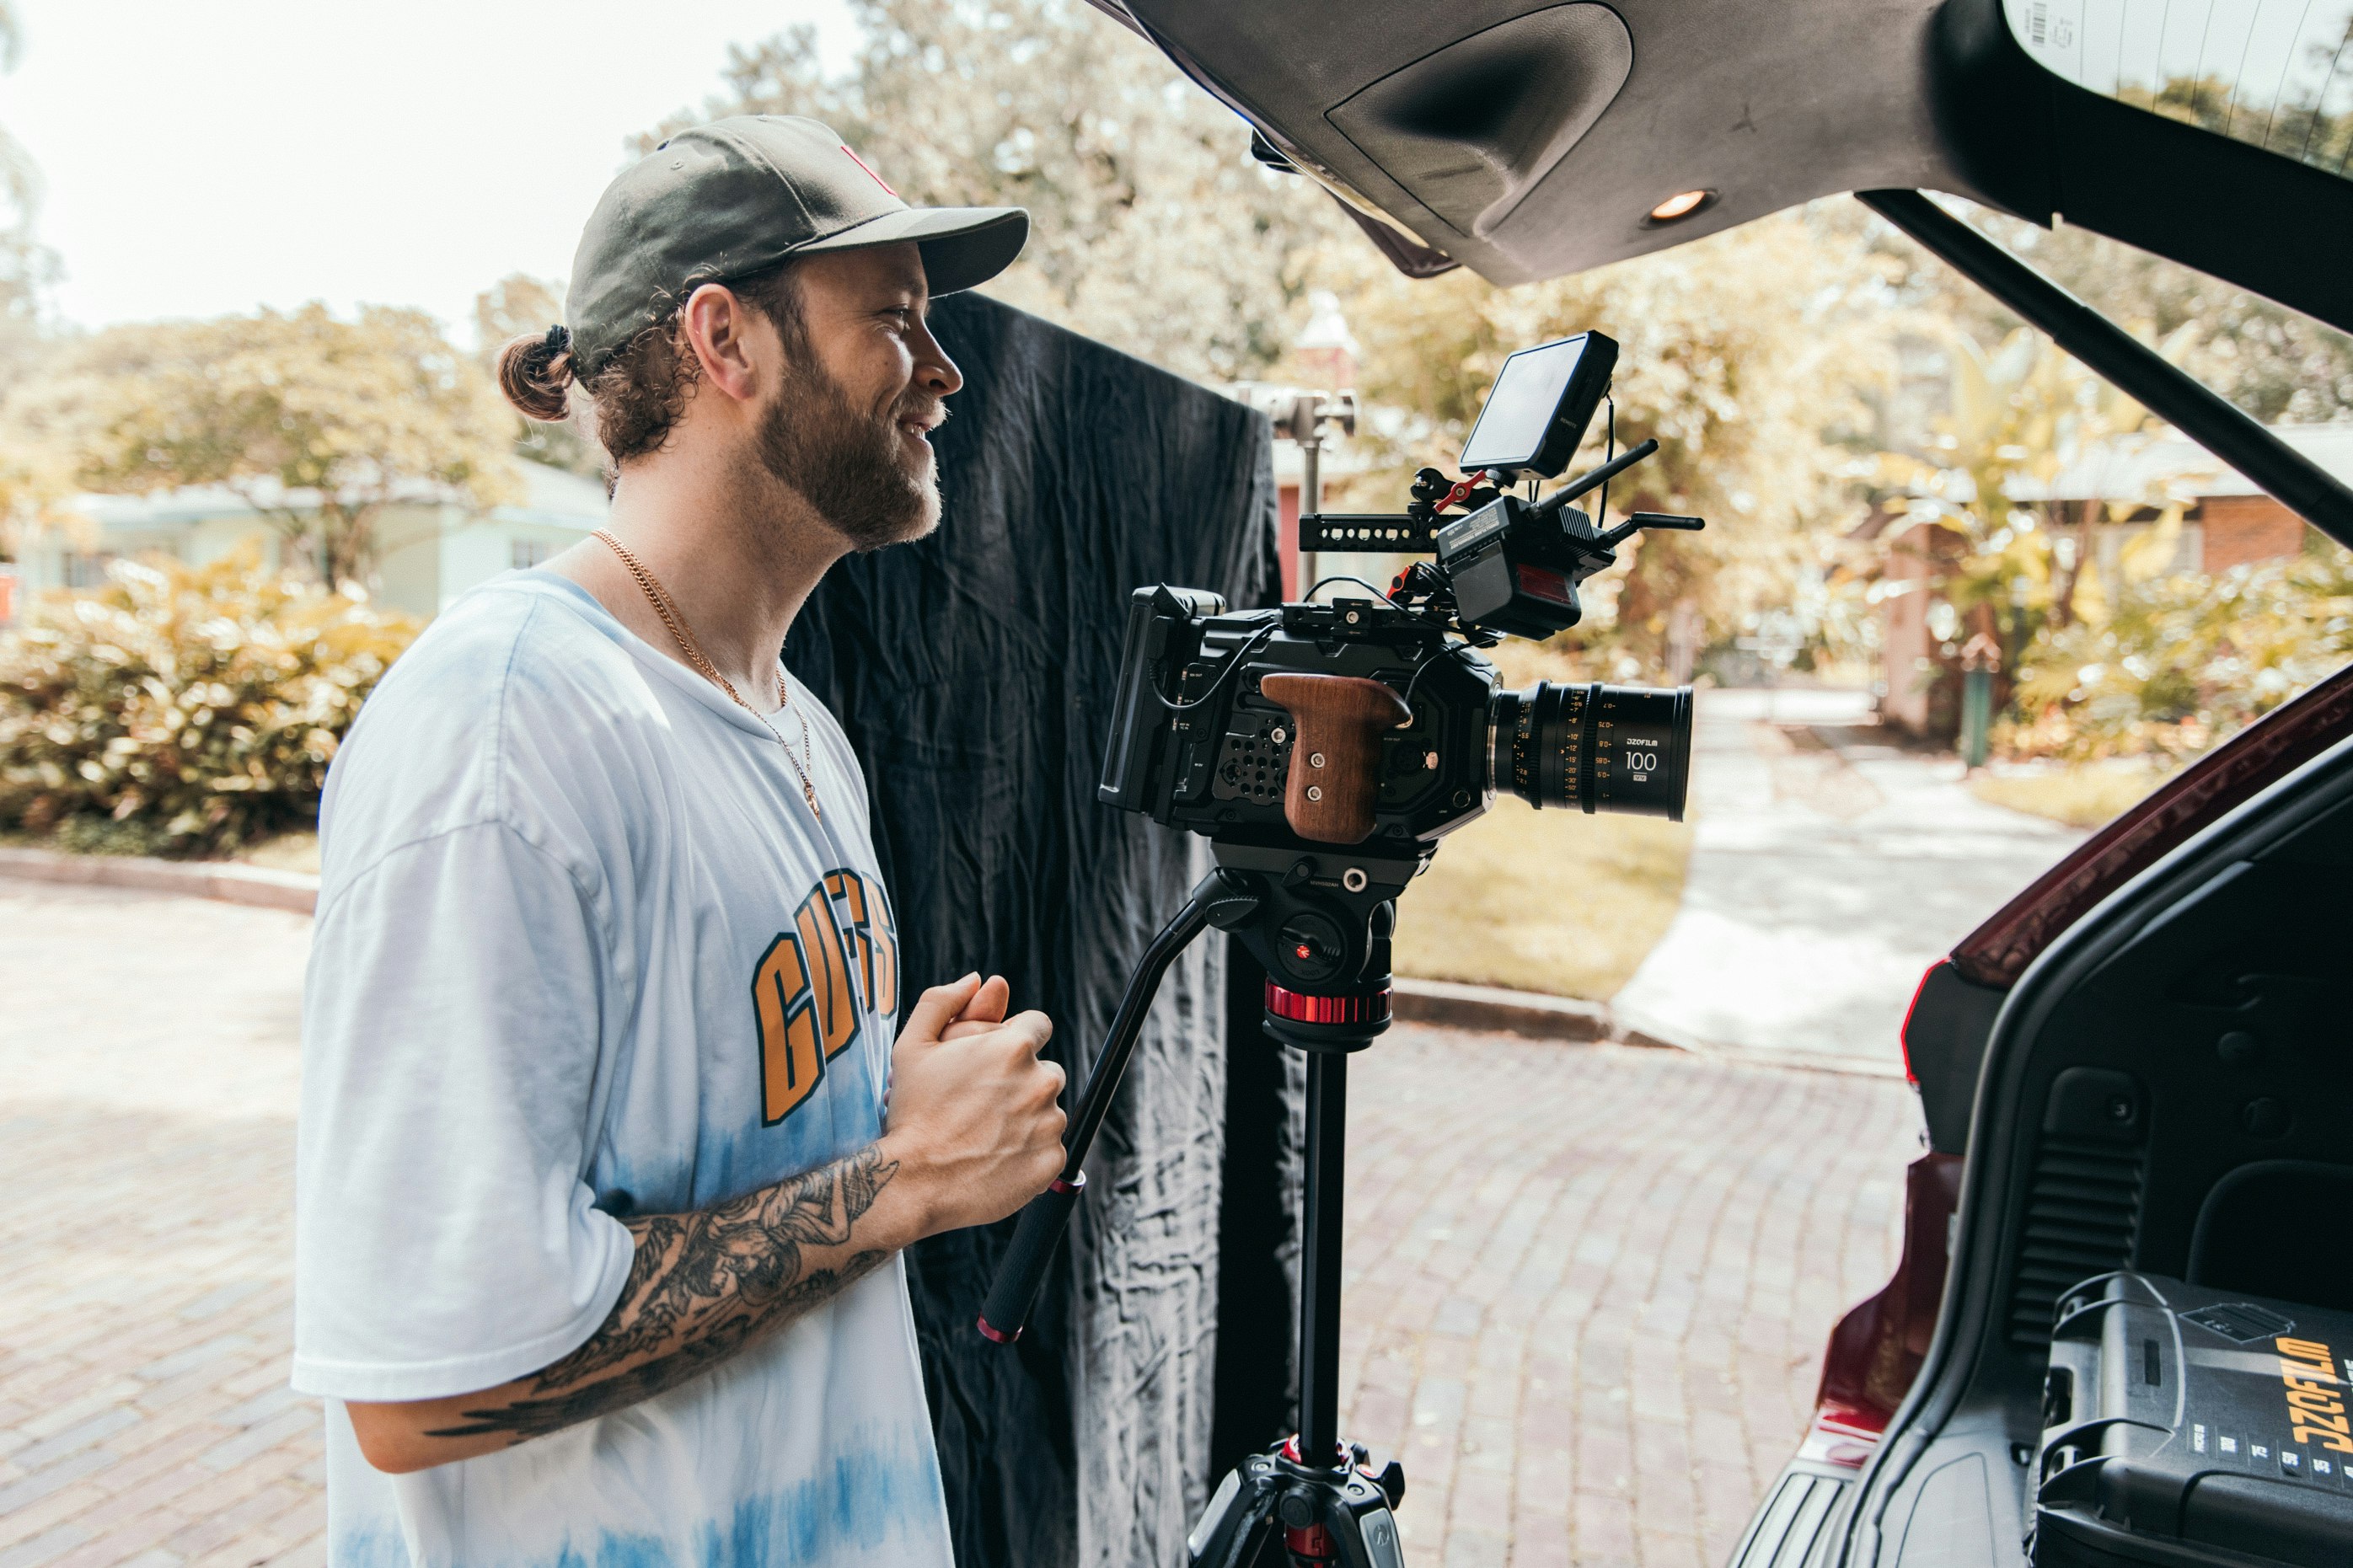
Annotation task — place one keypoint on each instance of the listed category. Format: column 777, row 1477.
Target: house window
column 87, row 569
column 525, row 554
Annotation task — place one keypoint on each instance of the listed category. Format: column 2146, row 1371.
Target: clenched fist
column 975, row 1122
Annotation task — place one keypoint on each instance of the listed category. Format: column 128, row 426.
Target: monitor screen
column 1524, row 406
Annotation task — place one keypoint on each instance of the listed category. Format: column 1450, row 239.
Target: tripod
column 1320, row 923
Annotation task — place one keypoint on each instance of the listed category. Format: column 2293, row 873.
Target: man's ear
column 718, row 327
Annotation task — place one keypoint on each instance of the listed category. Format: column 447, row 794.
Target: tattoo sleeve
column 701, row 1287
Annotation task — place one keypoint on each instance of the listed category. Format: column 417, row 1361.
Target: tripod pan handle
column 1023, row 1267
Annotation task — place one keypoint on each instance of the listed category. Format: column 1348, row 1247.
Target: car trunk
column 2164, row 1087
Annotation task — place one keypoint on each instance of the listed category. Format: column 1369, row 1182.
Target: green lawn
column 2084, row 796
column 1555, row 901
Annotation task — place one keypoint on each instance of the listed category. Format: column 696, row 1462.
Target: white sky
column 205, row 157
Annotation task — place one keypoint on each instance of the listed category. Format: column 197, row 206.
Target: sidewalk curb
column 1448, row 1003
column 1763, row 1056
column 1441, row 1002
column 225, row 881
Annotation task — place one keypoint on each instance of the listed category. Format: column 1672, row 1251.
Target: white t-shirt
column 582, row 953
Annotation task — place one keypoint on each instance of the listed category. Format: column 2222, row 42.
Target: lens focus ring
column 1596, row 747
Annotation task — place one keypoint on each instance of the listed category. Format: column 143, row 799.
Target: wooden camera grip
column 1337, row 756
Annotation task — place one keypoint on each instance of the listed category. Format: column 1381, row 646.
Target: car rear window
column 2275, row 74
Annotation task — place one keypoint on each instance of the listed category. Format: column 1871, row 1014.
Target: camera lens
column 1594, row 747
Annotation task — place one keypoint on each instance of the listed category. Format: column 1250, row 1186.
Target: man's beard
column 850, row 464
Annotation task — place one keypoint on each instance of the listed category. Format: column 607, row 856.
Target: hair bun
column 535, row 373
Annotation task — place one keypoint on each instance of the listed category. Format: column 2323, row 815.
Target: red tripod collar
column 1353, row 1007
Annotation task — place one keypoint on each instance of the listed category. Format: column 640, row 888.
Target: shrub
column 2183, row 662
column 183, row 711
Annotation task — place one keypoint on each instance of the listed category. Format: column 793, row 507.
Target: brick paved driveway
column 1589, row 1284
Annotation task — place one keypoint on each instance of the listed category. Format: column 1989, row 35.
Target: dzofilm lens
column 1595, row 747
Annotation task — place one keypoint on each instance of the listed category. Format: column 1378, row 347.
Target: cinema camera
column 1265, row 727
column 1325, row 749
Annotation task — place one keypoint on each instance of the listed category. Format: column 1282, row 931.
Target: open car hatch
column 1525, row 139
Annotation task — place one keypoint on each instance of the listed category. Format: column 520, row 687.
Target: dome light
column 1682, row 205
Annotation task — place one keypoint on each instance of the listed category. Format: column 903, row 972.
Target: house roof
column 553, row 497
column 2140, row 468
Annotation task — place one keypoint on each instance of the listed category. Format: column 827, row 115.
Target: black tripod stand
column 1320, row 923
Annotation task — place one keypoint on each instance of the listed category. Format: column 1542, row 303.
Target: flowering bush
column 2182, row 662
column 183, row 711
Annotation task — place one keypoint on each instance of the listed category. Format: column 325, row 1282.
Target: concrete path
column 1828, row 870
column 1588, row 1285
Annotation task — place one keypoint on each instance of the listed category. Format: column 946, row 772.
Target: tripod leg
column 1319, row 1289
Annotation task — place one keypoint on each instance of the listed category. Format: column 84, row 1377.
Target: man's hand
column 975, row 1128
column 973, row 1134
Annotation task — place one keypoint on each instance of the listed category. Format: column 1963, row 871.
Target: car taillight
column 1903, row 1035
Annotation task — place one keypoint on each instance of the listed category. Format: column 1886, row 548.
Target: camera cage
column 1399, row 731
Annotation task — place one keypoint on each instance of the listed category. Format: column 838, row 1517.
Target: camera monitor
column 1542, row 401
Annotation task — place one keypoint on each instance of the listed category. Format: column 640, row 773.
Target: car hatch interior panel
column 1491, row 128
column 1472, row 128
column 1769, row 105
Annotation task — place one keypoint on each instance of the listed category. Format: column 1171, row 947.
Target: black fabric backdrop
column 973, row 671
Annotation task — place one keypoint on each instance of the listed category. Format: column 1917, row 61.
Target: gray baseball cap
column 737, row 196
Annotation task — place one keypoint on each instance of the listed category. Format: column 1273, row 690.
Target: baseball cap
column 739, row 195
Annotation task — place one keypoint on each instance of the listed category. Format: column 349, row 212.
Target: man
column 606, row 1156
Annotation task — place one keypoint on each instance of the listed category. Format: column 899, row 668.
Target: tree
column 1744, row 355
column 29, row 479
column 26, row 267
column 1153, row 229
column 317, row 423
column 2184, row 661
column 2007, row 573
column 2278, row 365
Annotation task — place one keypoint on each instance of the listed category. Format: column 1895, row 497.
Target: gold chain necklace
column 658, row 596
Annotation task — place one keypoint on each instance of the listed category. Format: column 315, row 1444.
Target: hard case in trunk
column 2188, row 1427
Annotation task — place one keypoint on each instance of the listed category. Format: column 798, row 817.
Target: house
column 2118, row 486
column 2227, row 521
column 434, row 545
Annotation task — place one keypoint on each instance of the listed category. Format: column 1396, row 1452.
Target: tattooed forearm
column 701, row 1287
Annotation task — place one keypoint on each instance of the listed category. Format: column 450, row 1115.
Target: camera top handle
column 1598, row 478
column 1404, row 533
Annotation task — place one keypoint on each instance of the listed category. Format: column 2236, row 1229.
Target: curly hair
column 638, row 396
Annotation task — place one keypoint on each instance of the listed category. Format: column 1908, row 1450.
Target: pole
column 1311, row 491
column 1319, row 1282
column 1977, row 714
column 1022, row 1269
